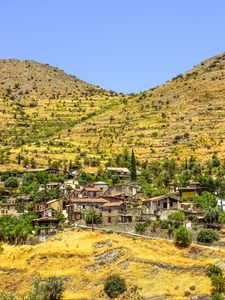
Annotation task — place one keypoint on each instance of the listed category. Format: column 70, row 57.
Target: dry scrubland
column 52, row 115
column 84, row 259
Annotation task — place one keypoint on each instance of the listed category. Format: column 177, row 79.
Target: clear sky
column 123, row 45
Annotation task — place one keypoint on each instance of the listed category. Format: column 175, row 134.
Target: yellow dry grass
column 70, row 255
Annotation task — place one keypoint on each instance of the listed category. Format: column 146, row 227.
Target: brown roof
column 110, row 204
column 89, row 200
column 92, row 189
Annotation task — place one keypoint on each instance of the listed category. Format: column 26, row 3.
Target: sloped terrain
column 51, row 115
column 84, row 259
column 183, row 117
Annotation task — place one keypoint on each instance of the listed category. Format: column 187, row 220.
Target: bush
column 217, row 296
column 182, row 237
column 141, row 227
column 177, row 218
column 213, row 270
column 114, row 285
column 11, row 183
column 6, row 296
column 207, row 236
column 92, row 217
column 50, row 288
column 218, row 284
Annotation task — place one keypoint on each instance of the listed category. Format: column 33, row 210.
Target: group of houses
column 115, row 204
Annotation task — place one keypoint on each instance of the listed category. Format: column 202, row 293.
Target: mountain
column 52, row 115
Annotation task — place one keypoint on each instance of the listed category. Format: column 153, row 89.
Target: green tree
column 177, row 218
column 133, row 166
column 182, row 237
column 213, row 270
column 11, row 183
column 207, row 236
column 114, row 286
column 50, row 288
column 92, row 217
column 206, row 200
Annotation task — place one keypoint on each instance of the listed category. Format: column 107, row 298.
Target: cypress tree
column 133, row 166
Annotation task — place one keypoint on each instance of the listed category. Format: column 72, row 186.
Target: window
column 171, row 203
column 83, row 206
column 109, row 219
column 109, row 210
column 164, row 205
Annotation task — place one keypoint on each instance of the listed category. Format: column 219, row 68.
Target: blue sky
column 123, row 45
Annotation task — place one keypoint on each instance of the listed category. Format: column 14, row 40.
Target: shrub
column 217, row 296
column 164, row 224
column 207, row 236
column 50, row 288
column 6, row 296
column 177, row 218
column 141, row 227
column 213, row 270
column 182, row 237
column 114, row 285
column 218, row 284
column 92, row 217
column 11, row 183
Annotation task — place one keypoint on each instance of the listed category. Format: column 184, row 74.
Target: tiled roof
column 110, row 204
column 89, row 200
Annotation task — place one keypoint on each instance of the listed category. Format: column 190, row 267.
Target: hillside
column 84, row 259
column 52, row 115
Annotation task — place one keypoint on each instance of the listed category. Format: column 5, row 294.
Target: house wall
column 110, row 217
column 188, row 194
column 57, row 205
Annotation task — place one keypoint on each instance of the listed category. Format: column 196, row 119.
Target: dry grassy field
column 84, row 259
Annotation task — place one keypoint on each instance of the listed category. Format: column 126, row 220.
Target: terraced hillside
column 84, row 259
column 183, row 117
column 51, row 115
column 38, row 103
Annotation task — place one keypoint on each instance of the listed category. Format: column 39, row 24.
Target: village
column 102, row 205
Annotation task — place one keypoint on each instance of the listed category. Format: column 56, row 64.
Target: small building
column 160, row 206
column 46, row 225
column 187, row 192
column 77, row 208
column 91, row 192
column 221, row 203
column 103, row 186
column 47, row 212
column 121, row 172
column 128, row 190
column 187, row 206
column 114, row 212
column 56, row 204
column 9, row 208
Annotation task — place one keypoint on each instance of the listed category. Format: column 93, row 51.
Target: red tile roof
column 89, row 200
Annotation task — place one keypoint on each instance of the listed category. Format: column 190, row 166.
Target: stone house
column 128, row 190
column 91, row 192
column 160, row 206
column 77, row 208
column 103, row 186
column 121, row 172
column 9, row 208
column 112, row 212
